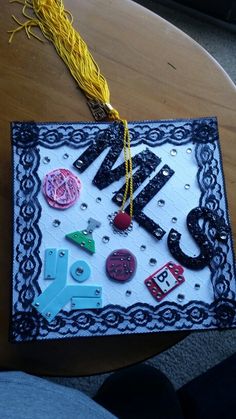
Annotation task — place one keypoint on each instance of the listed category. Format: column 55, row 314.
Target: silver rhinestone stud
column 119, row 197
column 79, row 163
column 46, row 160
column 173, row 152
column 161, row 203
column 56, row 223
column 158, row 232
column 83, row 206
column 173, row 235
column 105, row 239
column 223, row 235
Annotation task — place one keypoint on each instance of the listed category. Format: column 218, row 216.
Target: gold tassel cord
column 55, row 24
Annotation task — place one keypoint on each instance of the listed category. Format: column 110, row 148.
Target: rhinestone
column 56, row 223
column 83, row 206
column 97, row 292
column 82, row 244
column 65, row 156
column 158, row 232
column 128, row 293
column 173, row 235
column 36, row 304
column 187, row 186
column 161, row 203
column 149, row 283
column 197, row 287
column 223, row 235
column 79, row 271
column 119, row 197
column 62, row 254
column 170, row 265
column 109, row 217
column 142, row 247
column 79, row 163
column 173, row 152
column 189, row 150
column 180, row 297
column 51, row 252
column 105, row 239
column 46, row 160
column 85, row 232
column 98, row 304
column 98, row 199
column 152, row 261
column 48, row 314
column 165, row 172
column 174, row 220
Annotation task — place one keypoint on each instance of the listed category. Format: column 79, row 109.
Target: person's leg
column 212, row 394
column 139, row 392
column 23, row 396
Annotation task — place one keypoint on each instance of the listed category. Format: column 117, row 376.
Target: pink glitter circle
column 61, row 188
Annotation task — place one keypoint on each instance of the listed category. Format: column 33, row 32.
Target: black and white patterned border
column 27, row 324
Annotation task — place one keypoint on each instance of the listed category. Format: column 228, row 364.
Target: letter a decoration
column 117, row 227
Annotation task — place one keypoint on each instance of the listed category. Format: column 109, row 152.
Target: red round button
column 122, row 220
column 121, row 265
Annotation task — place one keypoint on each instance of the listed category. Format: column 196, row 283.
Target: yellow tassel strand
column 55, row 24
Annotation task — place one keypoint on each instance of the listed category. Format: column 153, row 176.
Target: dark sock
column 139, row 392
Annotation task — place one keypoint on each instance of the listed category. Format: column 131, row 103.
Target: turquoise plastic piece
column 50, row 263
column 58, row 293
column 80, row 271
column 85, row 303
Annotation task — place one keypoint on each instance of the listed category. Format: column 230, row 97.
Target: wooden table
column 154, row 71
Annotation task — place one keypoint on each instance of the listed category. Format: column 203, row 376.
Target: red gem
column 122, row 221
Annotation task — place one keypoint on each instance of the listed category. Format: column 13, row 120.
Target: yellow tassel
column 55, row 24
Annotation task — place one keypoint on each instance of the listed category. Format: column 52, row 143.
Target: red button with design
column 121, row 265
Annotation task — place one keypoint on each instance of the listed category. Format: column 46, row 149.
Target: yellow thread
column 55, row 24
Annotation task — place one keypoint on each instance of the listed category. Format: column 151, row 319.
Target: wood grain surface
column 154, row 71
